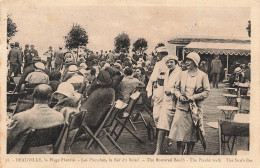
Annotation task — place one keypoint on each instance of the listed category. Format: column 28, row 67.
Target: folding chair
column 47, row 136
column 141, row 103
column 227, row 130
column 23, row 105
column 104, row 127
column 74, row 124
column 129, row 110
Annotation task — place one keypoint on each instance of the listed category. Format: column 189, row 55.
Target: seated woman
column 140, row 75
column 128, row 85
column 68, row 99
column 99, row 100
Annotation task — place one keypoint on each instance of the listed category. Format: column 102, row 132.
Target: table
column 228, row 111
column 230, row 98
column 231, row 90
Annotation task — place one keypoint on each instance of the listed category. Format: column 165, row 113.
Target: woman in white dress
column 169, row 100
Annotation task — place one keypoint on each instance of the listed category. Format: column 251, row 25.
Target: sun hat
column 39, row 65
column 73, row 68
column 161, row 49
column 83, row 65
column 171, row 57
column 194, row 57
column 64, row 88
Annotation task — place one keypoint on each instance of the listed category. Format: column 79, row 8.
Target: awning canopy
column 219, row 48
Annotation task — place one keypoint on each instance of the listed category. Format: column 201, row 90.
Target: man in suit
column 39, row 117
column 33, row 52
column 59, row 57
column 216, row 67
column 15, row 58
column 27, row 56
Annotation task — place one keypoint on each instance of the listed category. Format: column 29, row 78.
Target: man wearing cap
column 27, row 56
column 155, row 84
column 33, row 52
column 15, row 58
column 38, row 76
column 59, row 57
column 216, row 67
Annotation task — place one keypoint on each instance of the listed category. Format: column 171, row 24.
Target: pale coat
column 38, row 117
column 182, row 128
column 169, row 83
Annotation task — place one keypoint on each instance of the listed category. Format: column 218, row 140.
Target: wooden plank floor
column 131, row 146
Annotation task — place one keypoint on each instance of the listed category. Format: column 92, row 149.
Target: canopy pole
column 183, row 54
column 227, row 63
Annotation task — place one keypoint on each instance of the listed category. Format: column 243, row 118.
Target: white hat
column 161, row 49
column 171, row 57
column 84, row 72
column 195, row 57
column 83, row 65
column 73, row 68
column 39, row 65
column 64, row 88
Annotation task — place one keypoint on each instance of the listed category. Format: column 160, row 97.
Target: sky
column 46, row 26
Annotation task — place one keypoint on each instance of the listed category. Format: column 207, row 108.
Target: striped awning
column 219, row 48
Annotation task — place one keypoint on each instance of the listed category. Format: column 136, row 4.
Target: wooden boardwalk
column 131, row 146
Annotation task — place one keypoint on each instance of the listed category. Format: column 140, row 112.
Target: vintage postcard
column 130, row 83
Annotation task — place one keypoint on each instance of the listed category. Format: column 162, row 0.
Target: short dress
column 182, row 128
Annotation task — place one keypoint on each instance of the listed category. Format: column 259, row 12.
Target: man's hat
column 16, row 44
column 26, row 45
column 39, row 65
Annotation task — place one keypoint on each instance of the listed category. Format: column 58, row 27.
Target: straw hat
column 39, row 65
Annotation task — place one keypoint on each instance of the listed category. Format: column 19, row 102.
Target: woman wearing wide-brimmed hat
column 186, row 90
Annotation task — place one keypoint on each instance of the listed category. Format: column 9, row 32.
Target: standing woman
column 169, row 100
column 186, row 90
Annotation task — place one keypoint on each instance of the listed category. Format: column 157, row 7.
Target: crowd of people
column 68, row 83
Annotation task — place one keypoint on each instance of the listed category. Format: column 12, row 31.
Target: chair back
column 43, row 137
column 234, row 128
column 132, row 102
column 75, row 120
column 112, row 114
column 229, row 129
column 23, row 105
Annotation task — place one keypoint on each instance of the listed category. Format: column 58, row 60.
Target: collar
column 41, row 105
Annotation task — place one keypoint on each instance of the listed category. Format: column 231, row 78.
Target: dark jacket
column 59, row 56
column 97, row 105
column 15, row 56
